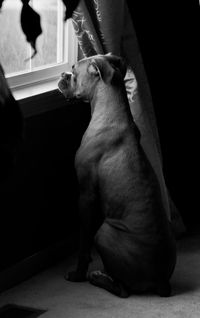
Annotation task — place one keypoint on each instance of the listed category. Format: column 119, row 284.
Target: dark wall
column 39, row 199
column 167, row 36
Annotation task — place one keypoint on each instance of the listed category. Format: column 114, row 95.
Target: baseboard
column 35, row 263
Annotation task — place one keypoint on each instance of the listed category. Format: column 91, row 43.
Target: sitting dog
column 120, row 201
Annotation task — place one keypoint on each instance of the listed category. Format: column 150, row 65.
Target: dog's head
column 81, row 82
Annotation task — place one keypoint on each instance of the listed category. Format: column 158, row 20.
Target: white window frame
column 49, row 74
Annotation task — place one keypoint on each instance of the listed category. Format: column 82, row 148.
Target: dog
column 120, row 201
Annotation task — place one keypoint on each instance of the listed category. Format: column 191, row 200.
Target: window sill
column 35, row 89
column 39, row 98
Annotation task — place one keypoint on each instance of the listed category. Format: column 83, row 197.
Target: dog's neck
column 109, row 102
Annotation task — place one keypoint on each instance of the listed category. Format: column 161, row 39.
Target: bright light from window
column 56, row 46
column 14, row 50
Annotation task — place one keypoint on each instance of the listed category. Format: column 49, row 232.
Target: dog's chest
column 89, row 151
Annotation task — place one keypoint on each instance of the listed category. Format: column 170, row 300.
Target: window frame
column 50, row 73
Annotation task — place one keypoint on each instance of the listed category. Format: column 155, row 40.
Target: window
column 56, row 46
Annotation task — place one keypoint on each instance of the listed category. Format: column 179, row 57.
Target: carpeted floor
column 49, row 291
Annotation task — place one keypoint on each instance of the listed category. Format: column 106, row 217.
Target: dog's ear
column 117, row 63
column 93, row 68
column 98, row 67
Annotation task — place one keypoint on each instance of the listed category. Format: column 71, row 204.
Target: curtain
column 104, row 26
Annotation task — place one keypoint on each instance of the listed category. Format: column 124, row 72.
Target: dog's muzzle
column 66, row 76
column 64, row 81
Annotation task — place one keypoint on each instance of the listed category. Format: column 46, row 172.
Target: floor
column 49, row 291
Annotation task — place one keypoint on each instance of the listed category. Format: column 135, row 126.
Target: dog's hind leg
column 108, row 279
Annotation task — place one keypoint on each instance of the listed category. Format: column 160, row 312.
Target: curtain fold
column 104, row 26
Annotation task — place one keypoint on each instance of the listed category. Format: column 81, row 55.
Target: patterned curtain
column 104, row 26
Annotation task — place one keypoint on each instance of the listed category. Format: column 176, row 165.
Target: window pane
column 47, row 45
column 14, row 49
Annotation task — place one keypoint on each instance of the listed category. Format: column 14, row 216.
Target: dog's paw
column 75, row 277
column 102, row 280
